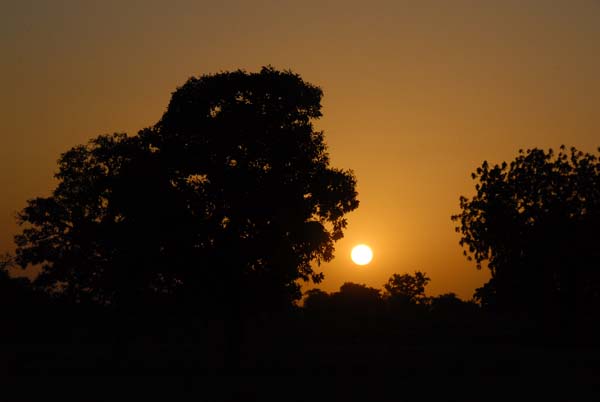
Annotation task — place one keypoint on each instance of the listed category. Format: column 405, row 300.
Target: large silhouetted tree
column 228, row 199
column 535, row 223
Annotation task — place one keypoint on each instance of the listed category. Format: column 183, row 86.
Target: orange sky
column 417, row 94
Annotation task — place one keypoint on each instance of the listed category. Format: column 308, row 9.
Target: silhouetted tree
column 357, row 293
column 485, row 296
column 22, row 307
column 449, row 306
column 407, row 288
column 356, row 304
column 316, row 299
column 15, row 293
column 444, row 300
column 535, row 222
column 227, row 200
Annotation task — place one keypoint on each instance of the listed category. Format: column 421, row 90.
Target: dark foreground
column 94, row 356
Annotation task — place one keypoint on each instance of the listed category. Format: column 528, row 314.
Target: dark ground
column 97, row 357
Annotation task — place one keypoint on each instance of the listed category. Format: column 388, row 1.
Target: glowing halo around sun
column 361, row 254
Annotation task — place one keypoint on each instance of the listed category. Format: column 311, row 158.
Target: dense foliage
column 535, row 223
column 407, row 288
column 229, row 195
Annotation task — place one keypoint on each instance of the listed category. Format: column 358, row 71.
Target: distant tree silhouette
column 13, row 291
column 407, row 288
column 355, row 305
column 357, row 293
column 535, row 222
column 17, row 298
column 227, row 200
column 353, row 301
column 445, row 299
column 316, row 299
column 450, row 306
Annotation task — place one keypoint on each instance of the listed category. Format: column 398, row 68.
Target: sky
column 416, row 95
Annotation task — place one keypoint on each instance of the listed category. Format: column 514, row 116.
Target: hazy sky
column 417, row 95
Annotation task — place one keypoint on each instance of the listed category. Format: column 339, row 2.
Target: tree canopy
column 407, row 288
column 230, row 193
column 534, row 222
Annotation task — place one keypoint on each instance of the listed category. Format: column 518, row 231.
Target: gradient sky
column 417, row 95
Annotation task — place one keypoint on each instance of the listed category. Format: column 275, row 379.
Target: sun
column 361, row 254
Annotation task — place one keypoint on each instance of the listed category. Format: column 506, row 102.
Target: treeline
column 403, row 298
column 358, row 329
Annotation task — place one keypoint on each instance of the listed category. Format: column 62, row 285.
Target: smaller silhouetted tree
column 316, row 300
column 358, row 291
column 407, row 288
column 21, row 305
column 535, row 223
column 485, row 296
column 15, row 292
column 449, row 306
column 444, row 300
column 356, row 302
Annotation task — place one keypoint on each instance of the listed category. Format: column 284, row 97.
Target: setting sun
column 362, row 254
